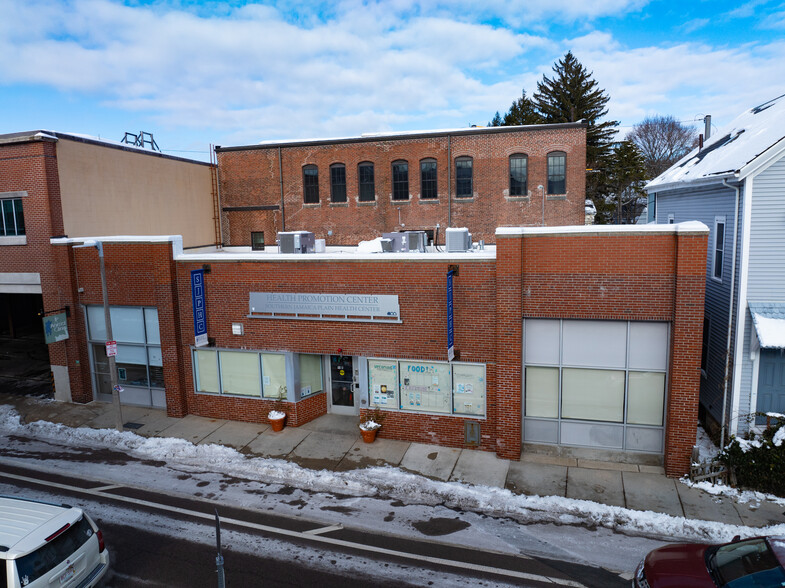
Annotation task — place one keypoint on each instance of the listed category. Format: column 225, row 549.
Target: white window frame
column 453, row 411
column 718, row 220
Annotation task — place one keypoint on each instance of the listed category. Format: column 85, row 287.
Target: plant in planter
column 277, row 416
column 371, row 424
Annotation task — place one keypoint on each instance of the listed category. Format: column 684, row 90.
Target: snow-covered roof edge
column 176, row 240
column 752, row 139
column 685, row 227
column 392, row 135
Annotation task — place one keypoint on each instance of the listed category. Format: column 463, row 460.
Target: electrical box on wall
column 471, row 432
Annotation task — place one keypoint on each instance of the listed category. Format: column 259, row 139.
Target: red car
column 752, row 563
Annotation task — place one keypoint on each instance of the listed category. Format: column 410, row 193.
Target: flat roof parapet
column 689, row 227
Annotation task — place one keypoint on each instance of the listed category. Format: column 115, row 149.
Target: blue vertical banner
column 200, row 315
column 450, row 330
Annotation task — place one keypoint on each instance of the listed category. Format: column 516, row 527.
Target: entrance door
column 771, row 383
column 343, row 393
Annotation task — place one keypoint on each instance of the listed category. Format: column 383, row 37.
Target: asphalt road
column 143, row 555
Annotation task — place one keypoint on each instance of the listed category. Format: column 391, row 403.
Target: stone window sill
column 16, row 240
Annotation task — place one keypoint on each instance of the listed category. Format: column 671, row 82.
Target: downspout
column 730, row 311
column 218, row 191
column 449, row 181
column 280, row 178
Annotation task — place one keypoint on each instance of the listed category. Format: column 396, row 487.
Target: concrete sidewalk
column 333, row 442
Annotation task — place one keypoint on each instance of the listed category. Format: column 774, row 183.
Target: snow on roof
column 769, row 321
column 752, row 134
column 685, row 227
column 396, row 134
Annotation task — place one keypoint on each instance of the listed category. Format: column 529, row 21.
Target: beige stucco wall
column 108, row 191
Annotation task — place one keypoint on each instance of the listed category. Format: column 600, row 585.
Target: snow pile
column 370, row 426
column 707, row 450
column 373, row 246
column 274, row 415
column 388, row 482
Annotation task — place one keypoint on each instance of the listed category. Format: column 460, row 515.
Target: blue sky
column 234, row 73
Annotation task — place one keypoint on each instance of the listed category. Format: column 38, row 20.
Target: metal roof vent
column 457, row 240
column 296, row 242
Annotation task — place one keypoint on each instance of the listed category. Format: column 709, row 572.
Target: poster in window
column 383, row 383
column 468, row 388
column 425, row 387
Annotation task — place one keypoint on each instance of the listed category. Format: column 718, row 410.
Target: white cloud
column 686, row 80
column 257, row 72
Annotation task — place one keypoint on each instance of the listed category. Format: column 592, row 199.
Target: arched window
column 463, row 177
column 557, row 172
column 428, row 185
column 519, row 174
column 400, row 180
column 338, row 182
column 311, row 184
column 365, row 182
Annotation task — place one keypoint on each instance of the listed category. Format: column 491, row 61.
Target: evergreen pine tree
column 522, row 112
column 496, row 121
column 626, row 176
column 573, row 95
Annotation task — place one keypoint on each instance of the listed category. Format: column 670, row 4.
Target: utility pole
column 112, row 363
column 219, row 559
column 109, row 338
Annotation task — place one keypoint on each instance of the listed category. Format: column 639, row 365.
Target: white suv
column 44, row 544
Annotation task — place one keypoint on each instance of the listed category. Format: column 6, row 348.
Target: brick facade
column 635, row 274
column 262, row 185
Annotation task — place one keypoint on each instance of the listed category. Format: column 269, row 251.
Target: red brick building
column 54, row 184
column 354, row 189
column 568, row 338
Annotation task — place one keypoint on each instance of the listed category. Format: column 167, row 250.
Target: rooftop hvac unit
column 296, row 242
column 457, row 240
column 407, row 241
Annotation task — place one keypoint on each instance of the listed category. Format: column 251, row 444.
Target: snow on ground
column 706, row 447
column 498, row 519
column 314, row 557
column 708, row 451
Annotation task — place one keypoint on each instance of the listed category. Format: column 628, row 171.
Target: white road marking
column 303, row 535
column 329, row 529
column 108, row 487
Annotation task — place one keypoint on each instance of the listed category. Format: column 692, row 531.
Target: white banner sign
column 370, row 306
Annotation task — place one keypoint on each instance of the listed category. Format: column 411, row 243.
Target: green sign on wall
column 55, row 328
